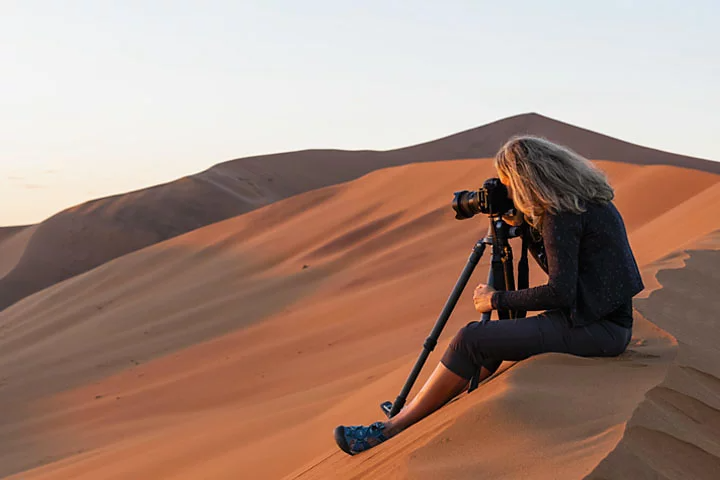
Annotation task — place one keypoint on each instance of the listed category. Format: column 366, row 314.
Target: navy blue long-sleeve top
column 592, row 271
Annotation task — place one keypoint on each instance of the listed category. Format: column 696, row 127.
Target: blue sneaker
column 353, row 440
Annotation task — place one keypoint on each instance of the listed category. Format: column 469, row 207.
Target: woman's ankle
column 391, row 429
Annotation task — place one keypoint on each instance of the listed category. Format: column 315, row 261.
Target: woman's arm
column 561, row 235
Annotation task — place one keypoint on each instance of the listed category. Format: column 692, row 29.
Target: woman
column 586, row 304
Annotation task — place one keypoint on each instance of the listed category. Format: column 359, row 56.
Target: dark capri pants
column 489, row 344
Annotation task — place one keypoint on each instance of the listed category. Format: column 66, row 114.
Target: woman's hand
column 514, row 220
column 482, row 298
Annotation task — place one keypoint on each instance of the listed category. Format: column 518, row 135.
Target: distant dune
column 13, row 241
column 233, row 350
column 7, row 232
column 84, row 237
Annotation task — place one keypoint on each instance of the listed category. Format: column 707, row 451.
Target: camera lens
column 466, row 204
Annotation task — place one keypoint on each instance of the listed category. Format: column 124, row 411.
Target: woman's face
column 505, row 181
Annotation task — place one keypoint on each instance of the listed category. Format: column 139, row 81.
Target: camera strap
column 523, row 267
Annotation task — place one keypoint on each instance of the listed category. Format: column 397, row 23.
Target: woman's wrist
column 495, row 300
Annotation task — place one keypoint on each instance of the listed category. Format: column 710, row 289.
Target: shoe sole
column 340, row 440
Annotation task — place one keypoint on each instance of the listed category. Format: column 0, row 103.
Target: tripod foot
column 386, row 408
column 474, row 382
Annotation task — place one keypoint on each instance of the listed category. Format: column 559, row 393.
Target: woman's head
column 542, row 176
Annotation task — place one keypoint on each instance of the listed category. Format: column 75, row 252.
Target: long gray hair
column 549, row 178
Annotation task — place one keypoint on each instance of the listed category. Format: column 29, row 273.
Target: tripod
column 500, row 277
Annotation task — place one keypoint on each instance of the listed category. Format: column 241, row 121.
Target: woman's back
column 591, row 268
column 608, row 275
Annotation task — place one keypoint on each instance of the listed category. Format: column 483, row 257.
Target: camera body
column 491, row 199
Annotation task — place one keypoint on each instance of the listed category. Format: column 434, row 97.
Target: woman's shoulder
column 603, row 217
column 561, row 220
column 590, row 210
column 601, row 208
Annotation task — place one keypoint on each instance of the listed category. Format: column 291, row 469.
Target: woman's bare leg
column 442, row 386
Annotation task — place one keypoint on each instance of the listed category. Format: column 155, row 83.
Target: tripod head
column 501, row 230
column 501, row 275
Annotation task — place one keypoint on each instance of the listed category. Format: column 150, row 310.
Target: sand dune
column 552, row 416
column 89, row 235
column 7, row 232
column 13, row 241
column 236, row 348
column 81, row 238
column 484, row 141
column 675, row 431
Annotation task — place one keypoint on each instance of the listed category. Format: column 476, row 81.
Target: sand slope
column 200, row 356
column 13, row 241
column 79, row 239
column 7, row 232
column 553, row 416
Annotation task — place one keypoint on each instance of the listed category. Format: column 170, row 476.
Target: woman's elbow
column 564, row 296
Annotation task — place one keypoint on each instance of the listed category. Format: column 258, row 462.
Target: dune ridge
column 675, row 432
column 88, row 235
column 198, row 355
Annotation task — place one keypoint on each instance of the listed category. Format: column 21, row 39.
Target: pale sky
column 103, row 97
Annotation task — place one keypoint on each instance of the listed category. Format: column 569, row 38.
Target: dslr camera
column 491, row 199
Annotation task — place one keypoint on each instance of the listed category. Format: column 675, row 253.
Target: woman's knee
column 466, row 337
column 460, row 356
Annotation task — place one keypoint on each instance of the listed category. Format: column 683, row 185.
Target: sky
column 99, row 97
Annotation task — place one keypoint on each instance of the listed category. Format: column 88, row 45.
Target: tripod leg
column 501, row 277
column 482, row 373
column 475, row 380
column 431, row 341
